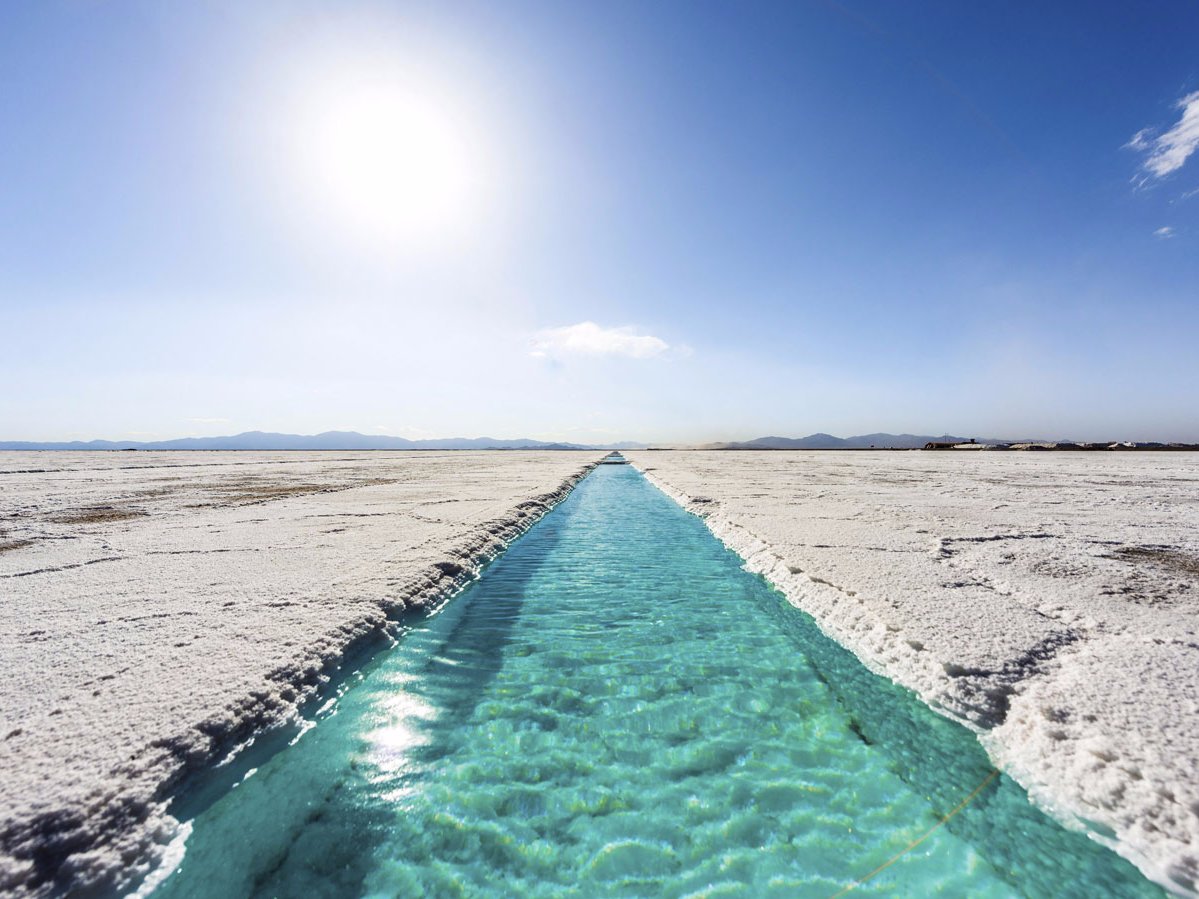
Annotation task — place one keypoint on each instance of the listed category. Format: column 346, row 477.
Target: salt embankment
column 1050, row 601
column 158, row 608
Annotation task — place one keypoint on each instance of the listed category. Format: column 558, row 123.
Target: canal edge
column 115, row 860
column 884, row 652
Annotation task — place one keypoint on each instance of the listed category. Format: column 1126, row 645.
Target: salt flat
column 1049, row 600
column 155, row 608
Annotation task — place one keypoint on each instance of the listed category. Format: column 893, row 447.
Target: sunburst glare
column 388, row 158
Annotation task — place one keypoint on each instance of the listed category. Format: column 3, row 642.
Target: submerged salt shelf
column 159, row 607
column 1050, row 600
column 616, row 708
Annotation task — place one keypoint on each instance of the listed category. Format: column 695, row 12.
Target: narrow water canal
column 616, row 708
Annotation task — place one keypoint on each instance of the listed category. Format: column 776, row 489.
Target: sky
column 669, row 222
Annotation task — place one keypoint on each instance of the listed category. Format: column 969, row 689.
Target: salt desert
column 1047, row 600
column 158, row 608
column 162, row 608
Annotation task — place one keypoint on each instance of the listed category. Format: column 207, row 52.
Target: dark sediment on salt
column 1049, row 601
column 157, row 615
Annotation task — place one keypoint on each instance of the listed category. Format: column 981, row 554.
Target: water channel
column 616, row 708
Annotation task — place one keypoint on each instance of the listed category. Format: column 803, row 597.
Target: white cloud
column 209, row 421
column 1140, row 140
column 1165, row 232
column 1169, row 151
column 589, row 339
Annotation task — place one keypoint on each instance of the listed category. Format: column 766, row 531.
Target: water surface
column 616, row 708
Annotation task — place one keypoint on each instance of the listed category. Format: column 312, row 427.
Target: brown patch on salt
column 98, row 515
column 1166, row 556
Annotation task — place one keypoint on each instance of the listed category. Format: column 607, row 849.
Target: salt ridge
column 158, row 611
column 1048, row 603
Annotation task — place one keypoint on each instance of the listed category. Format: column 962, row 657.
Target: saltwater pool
column 617, row 708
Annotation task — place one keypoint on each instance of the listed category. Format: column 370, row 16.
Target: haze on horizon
column 675, row 222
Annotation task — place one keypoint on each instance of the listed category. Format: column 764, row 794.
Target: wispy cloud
column 1164, row 233
column 209, row 421
column 1168, row 152
column 590, row 339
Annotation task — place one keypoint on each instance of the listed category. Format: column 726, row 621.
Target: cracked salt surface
column 1051, row 601
column 157, row 608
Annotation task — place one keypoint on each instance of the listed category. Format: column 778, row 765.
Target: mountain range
column 352, row 440
column 862, row 441
column 328, row 440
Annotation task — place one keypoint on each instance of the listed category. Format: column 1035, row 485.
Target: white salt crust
column 1048, row 600
column 158, row 608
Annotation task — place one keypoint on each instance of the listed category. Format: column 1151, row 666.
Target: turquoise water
column 617, row 709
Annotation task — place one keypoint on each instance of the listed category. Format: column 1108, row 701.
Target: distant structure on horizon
column 1059, row 446
column 882, row 441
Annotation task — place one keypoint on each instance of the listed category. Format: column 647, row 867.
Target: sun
column 389, row 159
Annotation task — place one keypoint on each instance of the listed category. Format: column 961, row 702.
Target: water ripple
column 617, row 709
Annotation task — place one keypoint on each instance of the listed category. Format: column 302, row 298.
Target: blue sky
column 658, row 221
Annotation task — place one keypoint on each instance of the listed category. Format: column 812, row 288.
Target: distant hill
column 328, row 440
column 862, row 441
